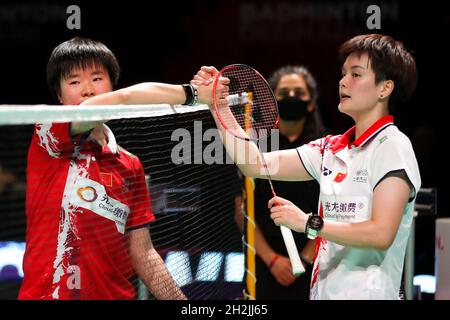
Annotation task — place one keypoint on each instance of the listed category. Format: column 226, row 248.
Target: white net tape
column 25, row 114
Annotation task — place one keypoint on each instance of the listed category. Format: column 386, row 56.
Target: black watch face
column 315, row 222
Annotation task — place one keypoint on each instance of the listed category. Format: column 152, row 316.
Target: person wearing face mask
column 296, row 92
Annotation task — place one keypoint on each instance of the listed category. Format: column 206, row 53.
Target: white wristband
column 195, row 89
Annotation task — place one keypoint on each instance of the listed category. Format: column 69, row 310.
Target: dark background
column 168, row 41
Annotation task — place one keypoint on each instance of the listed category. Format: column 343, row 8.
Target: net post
column 409, row 261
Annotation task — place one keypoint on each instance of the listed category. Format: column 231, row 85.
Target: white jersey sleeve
column 311, row 155
column 395, row 153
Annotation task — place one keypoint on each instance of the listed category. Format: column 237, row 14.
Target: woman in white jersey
column 368, row 176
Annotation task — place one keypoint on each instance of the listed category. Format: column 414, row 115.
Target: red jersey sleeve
column 141, row 208
column 53, row 138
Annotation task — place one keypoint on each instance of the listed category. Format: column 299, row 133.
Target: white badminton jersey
column 348, row 172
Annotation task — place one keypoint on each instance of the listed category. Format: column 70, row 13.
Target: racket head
column 250, row 105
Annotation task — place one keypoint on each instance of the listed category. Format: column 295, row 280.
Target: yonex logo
column 326, row 171
column 87, row 194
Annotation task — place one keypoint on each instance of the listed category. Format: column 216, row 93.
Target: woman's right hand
column 204, row 80
column 205, row 76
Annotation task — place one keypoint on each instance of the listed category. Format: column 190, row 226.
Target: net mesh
column 190, row 180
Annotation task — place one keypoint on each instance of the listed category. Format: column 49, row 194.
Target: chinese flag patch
column 106, row 179
column 340, row 177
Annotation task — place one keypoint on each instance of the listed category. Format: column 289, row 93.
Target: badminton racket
column 250, row 113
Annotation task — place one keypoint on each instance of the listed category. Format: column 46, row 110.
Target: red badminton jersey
column 81, row 199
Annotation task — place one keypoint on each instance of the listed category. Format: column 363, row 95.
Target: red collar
column 345, row 140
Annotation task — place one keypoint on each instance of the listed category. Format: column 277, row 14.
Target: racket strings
column 251, row 103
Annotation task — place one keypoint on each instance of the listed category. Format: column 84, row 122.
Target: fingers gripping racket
column 251, row 105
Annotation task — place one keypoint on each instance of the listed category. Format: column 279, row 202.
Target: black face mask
column 292, row 109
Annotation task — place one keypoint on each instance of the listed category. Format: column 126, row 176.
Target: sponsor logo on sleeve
column 361, row 176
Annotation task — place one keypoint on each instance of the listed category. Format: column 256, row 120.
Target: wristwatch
column 313, row 225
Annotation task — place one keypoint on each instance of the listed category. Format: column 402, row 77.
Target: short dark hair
column 301, row 71
column 390, row 61
column 79, row 53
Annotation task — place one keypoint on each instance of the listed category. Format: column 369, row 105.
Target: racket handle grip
column 297, row 266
